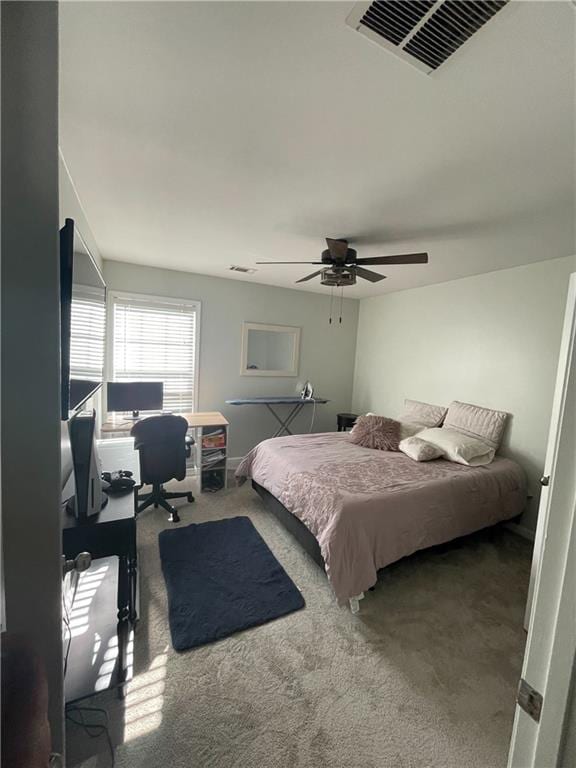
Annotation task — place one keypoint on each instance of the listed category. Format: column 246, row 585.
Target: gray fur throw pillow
column 377, row 432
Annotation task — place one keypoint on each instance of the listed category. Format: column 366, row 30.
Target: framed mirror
column 269, row 350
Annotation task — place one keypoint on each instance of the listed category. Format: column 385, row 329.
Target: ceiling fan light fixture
column 337, row 278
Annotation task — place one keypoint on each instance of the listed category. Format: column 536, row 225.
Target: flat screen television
column 82, row 321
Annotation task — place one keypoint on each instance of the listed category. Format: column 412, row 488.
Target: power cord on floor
column 78, row 715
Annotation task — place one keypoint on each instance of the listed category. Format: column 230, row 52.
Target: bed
column 357, row 510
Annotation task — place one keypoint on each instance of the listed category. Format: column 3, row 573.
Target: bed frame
column 292, row 524
column 302, row 535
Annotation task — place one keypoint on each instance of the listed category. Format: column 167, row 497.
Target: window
column 156, row 339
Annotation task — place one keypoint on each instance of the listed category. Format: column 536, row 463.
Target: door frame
column 551, row 643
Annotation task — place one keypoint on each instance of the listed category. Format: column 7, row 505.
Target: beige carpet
column 425, row 675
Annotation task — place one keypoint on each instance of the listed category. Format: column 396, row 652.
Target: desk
column 297, row 402
column 198, row 420
column 211, row 443
column 112, row 532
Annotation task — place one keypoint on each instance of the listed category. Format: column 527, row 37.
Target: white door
column 551, row 644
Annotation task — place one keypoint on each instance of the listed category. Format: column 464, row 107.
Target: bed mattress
column 369, row 508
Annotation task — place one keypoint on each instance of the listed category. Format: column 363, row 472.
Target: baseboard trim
column 233, row 462
column 521, row 530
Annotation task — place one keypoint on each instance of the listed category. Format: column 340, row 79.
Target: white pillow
column 424, row 414
column 481, row 423
column 419, row 449
column 458, row 447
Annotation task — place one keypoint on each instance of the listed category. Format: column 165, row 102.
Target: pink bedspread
column 369, row 508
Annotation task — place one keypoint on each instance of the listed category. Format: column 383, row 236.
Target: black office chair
column 163, row 447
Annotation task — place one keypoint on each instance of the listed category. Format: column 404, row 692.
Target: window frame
column 112, row 297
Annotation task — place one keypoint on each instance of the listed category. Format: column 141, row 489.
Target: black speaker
column 89, row 498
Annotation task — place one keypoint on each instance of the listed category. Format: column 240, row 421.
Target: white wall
column 492, row 339
column 31, row 524
column 326, row 351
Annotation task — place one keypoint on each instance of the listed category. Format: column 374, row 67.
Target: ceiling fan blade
column 289, row 262
column 367, row 274
column 338, row 248
column 309, row 277
column 407, row 258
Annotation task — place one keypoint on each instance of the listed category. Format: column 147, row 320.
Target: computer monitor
column 135, row 396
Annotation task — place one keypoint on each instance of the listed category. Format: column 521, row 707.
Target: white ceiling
column 201, row 135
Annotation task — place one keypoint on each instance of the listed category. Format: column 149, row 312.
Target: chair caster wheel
column 190, row 498
column 174, row 517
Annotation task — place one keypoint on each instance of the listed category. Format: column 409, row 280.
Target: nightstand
column 346, row 421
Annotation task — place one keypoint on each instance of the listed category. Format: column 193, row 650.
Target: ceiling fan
column 341, row 265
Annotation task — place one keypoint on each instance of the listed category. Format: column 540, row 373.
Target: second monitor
column 135, row 396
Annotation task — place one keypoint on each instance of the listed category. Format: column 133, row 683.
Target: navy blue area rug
column 222, row 578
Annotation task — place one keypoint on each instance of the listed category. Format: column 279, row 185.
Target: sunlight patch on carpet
column 145, row 699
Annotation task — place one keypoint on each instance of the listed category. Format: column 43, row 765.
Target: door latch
column 529, row 700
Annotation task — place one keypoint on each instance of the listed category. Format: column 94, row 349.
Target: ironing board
column 297, row 403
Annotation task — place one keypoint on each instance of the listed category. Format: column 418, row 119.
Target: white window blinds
column 156, row 340
column 87, row 332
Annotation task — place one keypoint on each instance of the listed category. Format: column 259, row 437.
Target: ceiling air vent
column 424, row 32
column 244, row 270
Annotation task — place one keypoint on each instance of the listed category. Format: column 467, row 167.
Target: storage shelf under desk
column 212, row 439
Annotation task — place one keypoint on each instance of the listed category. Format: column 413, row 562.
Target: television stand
column 111, row 533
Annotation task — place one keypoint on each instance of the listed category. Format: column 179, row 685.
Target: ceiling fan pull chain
column 341, row 301
column 331, row 300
